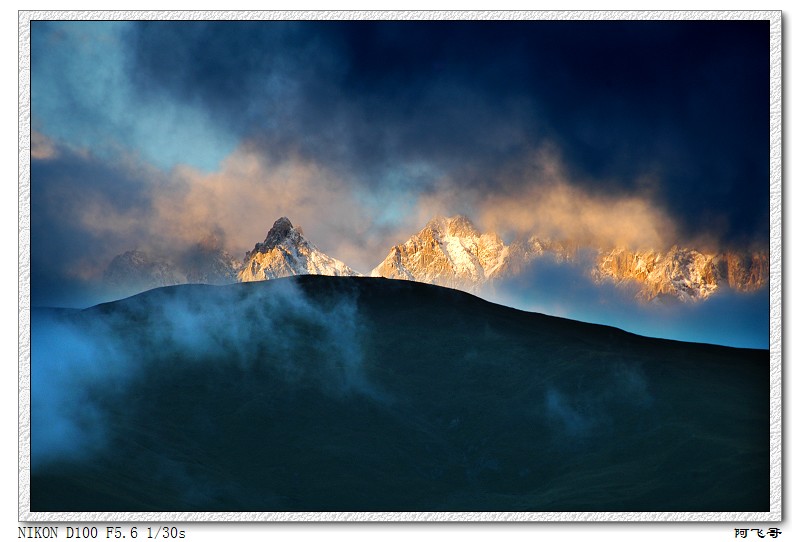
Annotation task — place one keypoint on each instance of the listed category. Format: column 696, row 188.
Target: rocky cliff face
column 284, row 253
column 452, row 252
column 685, row 274
column 447, row 252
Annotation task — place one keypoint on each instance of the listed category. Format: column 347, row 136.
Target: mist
column 85, row 363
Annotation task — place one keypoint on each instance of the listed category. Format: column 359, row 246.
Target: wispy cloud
column 42, row 147
column 548, row 203
column 80, row 360
column 250, row 191
column 128, row 204
column 110, row 208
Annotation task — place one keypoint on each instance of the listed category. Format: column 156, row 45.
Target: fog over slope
column 347, row 393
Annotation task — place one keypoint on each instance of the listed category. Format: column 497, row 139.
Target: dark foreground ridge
column 360, row 394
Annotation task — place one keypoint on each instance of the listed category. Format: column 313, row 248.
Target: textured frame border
column 776, row 230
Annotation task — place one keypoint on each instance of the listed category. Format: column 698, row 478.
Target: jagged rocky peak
column 460, row 226
column 682, row 273
column 286, row 252
column 280, row 230
column 448, row 252
column 627, row 264
column 452, row 252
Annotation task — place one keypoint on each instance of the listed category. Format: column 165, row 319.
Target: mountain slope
column 284, row 253
column 318, row 393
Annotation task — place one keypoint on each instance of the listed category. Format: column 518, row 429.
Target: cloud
column 68, row 364
column 371, row 102
column 621, row 100
column 84, row 93
column 559, row 409
column 42, row 147
column 84, row 363
column 541, row 196
column 84, row 210
column 88, row 209
column 547, row 203
column 362, row 131
column 250, row 191
column 578, row 410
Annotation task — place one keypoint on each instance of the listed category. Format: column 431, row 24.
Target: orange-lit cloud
column 42, row 147
column 248, row 193
column 240, row 201
column 169, row 212
column 549, row 205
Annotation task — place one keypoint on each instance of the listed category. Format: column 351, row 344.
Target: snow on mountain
column 452, row 252
column 448, row 252
column 285, row 252
column 685, row 274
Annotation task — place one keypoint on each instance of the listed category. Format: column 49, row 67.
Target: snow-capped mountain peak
column 452, row 252
column 286, row 252
column 449, row 252
column 282, row 230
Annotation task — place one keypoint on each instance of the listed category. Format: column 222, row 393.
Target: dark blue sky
column 686, row 103
column 151, row 134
